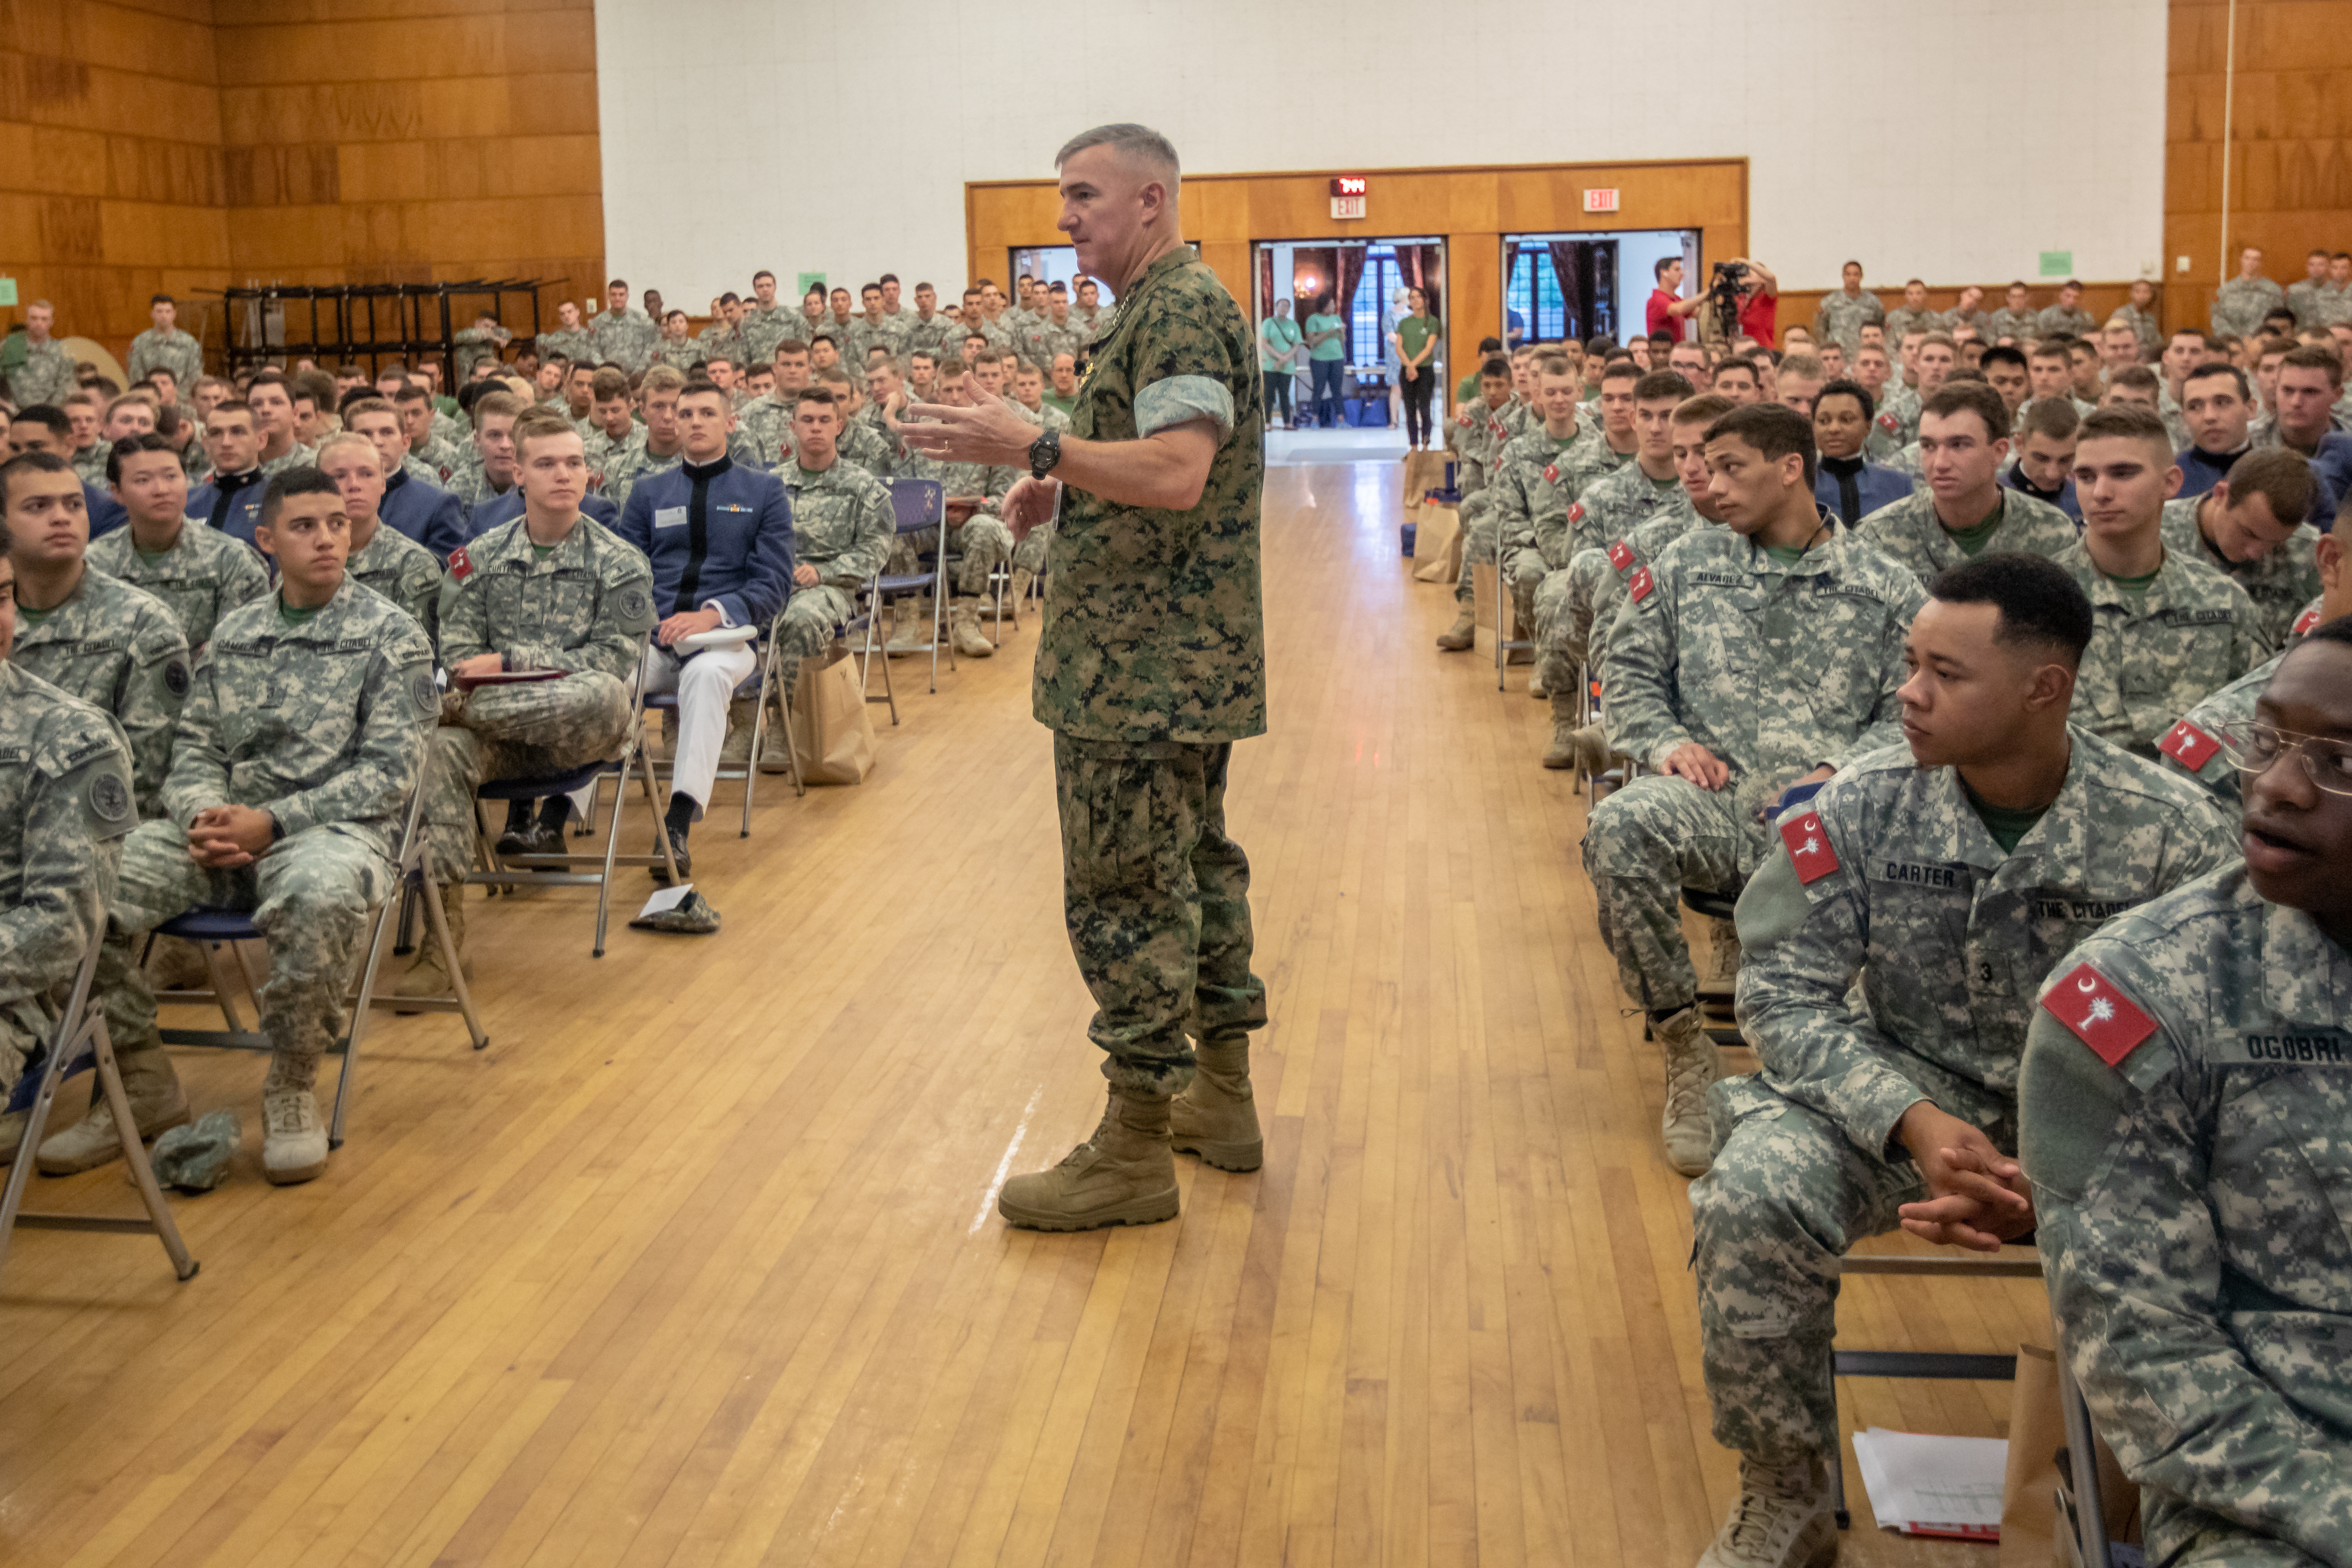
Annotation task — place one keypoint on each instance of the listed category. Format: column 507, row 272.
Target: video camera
column 1723, row 292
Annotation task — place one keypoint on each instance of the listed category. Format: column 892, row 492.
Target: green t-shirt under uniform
column 1972, row 541
column 2008, row 827
column 1333, row 347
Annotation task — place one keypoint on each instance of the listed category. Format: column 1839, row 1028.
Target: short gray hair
column 1140, row 143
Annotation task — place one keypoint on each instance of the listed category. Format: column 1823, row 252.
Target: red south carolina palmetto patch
column 1809, row 847
column 1639, row 584
column 2101, row 1017
column 2189, row 746
column 1621, row 555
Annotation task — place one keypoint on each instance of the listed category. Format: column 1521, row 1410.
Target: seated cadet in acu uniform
column 719, row 539
column 1748, row 658
column 554, row 589
column 842, row 527
column 1948, row 876
column 1961, row 508
column 46, row 428
column 93, row 637
column 2193, row 746
column 2171, row 630
column 65, row 805
column 297, row 754
column 2250, row 528
column 382, row 558
column 2186, row 1111
column 199, row 572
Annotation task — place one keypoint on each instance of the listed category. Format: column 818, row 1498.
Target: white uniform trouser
column 704, row 682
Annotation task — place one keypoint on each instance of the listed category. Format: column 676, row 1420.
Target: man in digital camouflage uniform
column 552, row 589
column 65, row 806
column 623, row 335
column 842, row 527
column 1149, row 666
column 1747, row 660
column 1947, row 874
column 164, row 346
column 199, row 572
column 297, row 754
column 2185, row 1119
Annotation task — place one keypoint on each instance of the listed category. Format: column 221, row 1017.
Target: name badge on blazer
column 669, row 517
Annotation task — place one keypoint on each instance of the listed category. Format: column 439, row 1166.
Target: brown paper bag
column 1483, row 584
column 832, row 740
column 1437, row 549
column 2034, row 1532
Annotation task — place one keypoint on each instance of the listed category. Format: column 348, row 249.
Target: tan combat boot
column 1216, row 1117
column 776, row 740
column 12, row 1134
column 963, row 631
column 428, row 975
column 157, row 1106
column 1124, row 1175
column 293, row 1137
column 1562, row 753
column 1692, row 1064
column 911, row 627
column 1785, row 1518
column 736, row 749
column 1463, row 633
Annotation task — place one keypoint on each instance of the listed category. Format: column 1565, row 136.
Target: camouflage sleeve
column 1637, row 674
column 398, row 707
column 143, row 357
column 462, row 618
column 1885, row 726
column 76, row 811
column 875, row 530
column 1801, row 946
column 198, row 776
column 149, row 707
column 420, row 594
column 1514, row 523
column 2135, row 1270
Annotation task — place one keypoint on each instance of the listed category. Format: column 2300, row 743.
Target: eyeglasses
column 2253, row 746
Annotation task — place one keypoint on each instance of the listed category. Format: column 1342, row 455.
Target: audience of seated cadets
column 2185, row 1122
column 117, row 648
column 1944, row 877
column 552, row 589
column 199, row 572
column 719, row 539
column 2170, row 629
column 975, row 495
column 297, row 753
column 1747, row 659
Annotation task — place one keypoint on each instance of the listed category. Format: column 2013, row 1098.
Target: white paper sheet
column 1924, row 1485
column 670, row 897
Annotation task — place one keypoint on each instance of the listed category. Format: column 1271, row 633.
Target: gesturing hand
column 990, row 433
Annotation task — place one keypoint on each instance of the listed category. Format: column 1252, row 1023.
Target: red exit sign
column 1601, row 201
column 1349, row 185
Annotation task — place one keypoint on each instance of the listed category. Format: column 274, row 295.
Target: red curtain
column 1351, row 273
column 1566, row 255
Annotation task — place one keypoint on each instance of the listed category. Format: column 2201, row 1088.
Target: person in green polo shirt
column 1278, row 353
column 1326, row 350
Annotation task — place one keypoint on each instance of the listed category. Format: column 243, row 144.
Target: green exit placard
column 810, row 280
column 2057, row 264
column 7, row 290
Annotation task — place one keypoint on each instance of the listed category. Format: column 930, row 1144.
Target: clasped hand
column 223, row 838
column 1977, row 1197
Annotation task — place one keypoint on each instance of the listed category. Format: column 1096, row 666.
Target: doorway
column 1357, row 280
column 1583, row 286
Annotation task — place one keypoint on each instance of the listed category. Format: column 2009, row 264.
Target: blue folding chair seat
column 916, row 505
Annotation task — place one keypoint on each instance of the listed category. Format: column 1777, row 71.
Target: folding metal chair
column 918, row 504
column 1505, row 604
column 79, row 1042
column 758, row 686
column 208, row 928
column 507, row 873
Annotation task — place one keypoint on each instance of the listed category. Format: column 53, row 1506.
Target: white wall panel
column 1956, row 141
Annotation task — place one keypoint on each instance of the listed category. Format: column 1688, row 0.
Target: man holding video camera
column 1743, row 296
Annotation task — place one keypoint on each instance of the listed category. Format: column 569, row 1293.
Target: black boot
column 675, row 823
column 516, row 838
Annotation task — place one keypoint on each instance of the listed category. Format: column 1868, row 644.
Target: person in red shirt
column 1759, row 301
column 1667, row 309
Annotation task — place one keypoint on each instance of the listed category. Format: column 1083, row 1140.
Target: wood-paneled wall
column 110, row 161
column 1470, row 208
column 183, row 146
column 2291, row 141
column 379, row 140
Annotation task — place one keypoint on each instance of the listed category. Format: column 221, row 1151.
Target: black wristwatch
column 1044, row 453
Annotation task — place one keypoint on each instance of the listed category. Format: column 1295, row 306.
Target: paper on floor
column 1924, row 1485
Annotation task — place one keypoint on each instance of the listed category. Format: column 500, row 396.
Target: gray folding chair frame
column 2081, row 1450
column 413, row 872
column 1505, row 604
column 507, row 874
column 82, row 1027
column 905, row 522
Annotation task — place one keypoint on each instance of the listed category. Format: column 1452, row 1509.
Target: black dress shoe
column 660, row 872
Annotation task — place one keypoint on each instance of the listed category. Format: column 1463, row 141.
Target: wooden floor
column 699, row 1263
